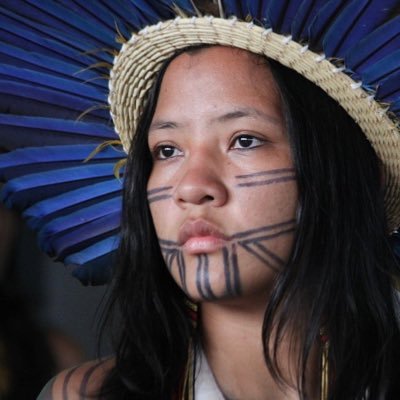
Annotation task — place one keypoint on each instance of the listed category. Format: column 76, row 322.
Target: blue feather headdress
column 55, row 61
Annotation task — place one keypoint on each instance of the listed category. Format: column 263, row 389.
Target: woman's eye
column 246, row 142
column 164, row 152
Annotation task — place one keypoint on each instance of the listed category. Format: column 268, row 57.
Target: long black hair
column 339, row 277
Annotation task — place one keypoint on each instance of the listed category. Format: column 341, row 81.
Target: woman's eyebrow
column 237, row 113
column 246, row 113
column 162, row 124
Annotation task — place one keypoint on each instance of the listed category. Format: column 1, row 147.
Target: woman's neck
column 231, row 338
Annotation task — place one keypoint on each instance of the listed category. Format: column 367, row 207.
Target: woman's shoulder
column 77, row 383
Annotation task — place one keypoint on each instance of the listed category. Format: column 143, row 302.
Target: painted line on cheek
column 168, row 243
column 270, row 254
column 267, row 182
column 158, row 190
column 235, row 267
column 227, row 271
column 157, row 194
column 251, row 232
column 203, row 279
column 182, row 270
column 256, row 254
column 207, row 279
column 159, row 198
column 269, row 172
column 199, row 273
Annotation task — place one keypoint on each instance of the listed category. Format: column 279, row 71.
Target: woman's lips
column 199, row 236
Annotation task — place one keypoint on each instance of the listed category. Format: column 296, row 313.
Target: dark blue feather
column 47, row 13
column 252, row 8
column 281, row 14
column 93, row 252
column 97, row 271
column 52, row 154
column 41, row 210
column 233, row 7
column 322, row 22
column 75, row 129
column 395, row 107
column 40, row 181
column 356, row 21
column 374, row 46
column 306, row 13
column 389, row 88
column 49, row 96
column 14, row 135
column 19, row 35
column 60, row 245
column 47, row 64
column 78, row 219
column 61, row 85
column 382, row 69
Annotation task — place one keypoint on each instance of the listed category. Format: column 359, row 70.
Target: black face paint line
column 253, row 241
column 158, row 194
column 263, row 178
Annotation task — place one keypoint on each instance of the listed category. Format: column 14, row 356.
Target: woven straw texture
column 136, row 67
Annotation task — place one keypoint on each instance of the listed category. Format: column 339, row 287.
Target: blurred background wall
column 48, row 320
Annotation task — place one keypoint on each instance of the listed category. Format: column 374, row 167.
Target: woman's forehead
column 219, row 75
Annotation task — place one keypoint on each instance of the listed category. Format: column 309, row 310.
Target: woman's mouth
column 199, row 236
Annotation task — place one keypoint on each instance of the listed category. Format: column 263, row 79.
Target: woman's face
column 222, row 191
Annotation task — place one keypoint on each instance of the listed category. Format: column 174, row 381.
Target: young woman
column 255, row 259
column 253, row 195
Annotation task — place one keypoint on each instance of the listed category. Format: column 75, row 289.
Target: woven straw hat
column 136, row 67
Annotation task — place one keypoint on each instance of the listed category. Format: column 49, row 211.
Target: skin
column 223, row 167
column 221, row 159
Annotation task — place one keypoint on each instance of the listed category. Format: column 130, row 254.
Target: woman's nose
column 201, row 184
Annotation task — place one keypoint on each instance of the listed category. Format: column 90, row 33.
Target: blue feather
column 74, row 128
column 142, row 13
column 252, row 8
column 48, row 96
column 40, row 131
column 51, row 154
column 93, row 252
column 322, row 21
column 382, row 69
column 374, row 46
column 395, row 107
column 303, row 18
column 101, row 14
column 356, row 21
column 56, row 31
column 389, row 89
column 233, row 7
column 185, row 5
column 281, row 14
column 41, row 210
column 163, row 8
column 47, row 64
column 62, row 85
column 97, row 271
column 13, row 34
column 17, row 192
column 13, row 136
column 48, row 13
column 60, row 245
column 78, row 219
